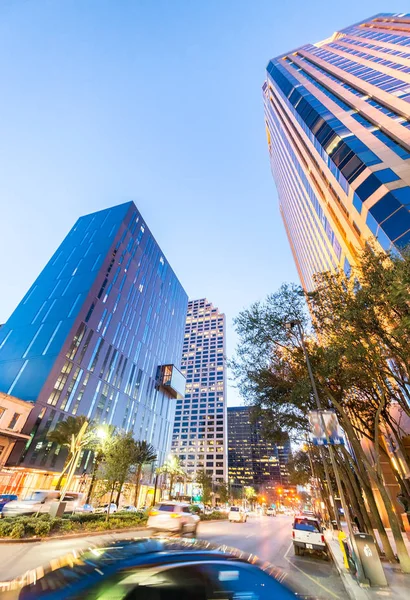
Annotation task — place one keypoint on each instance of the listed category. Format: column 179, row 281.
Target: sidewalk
column 399, row 583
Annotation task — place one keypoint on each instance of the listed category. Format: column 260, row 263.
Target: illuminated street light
column 101, row 433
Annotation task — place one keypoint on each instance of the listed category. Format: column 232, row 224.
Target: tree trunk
column 119, row 493
column 92, row 482
column 137, row 485
column 368, row 527
column 352, row 501
column 155, row 490
column 171, row 485
column 60, row 479
column 402, row 553
column 109, row 503
column 363, row 470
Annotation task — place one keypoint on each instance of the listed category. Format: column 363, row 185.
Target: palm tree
column 63, row 435
column 172, row 467
column 144, row 454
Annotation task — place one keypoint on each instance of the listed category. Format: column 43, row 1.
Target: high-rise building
column 199, row 437
column 92, row 332
column 337, row 119
column 253, row 460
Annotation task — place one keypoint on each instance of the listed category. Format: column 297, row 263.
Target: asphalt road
column 270, row 538
column 267, row 537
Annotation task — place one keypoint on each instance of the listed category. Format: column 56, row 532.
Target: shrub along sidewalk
column 214, row 516
column 44, row 526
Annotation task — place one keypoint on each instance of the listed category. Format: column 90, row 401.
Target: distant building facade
column 13, row 417
column 337, row 117
column 92, row 333
column 199, row 436
column 252, row 460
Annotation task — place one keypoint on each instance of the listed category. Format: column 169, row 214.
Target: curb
column 83, row 534
column 352, row 588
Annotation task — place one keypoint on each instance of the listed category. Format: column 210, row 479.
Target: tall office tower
column 252, row 460
column 337, row 119
column 199, row 437
column 92, row 332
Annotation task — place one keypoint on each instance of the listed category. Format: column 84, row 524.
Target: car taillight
column 293, row 534
column 323, row 538
column 175, row 515
column 152, row 513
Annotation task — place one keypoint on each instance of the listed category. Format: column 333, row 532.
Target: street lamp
column 101, row 433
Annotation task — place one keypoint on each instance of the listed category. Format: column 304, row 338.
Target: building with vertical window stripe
column 337, row 117
column 199, row 436
column 91, row 334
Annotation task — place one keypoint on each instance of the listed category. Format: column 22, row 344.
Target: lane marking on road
column 287, row 551
column 312, row 578
column 250, row 535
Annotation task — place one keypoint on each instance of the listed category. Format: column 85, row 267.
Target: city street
column 267, row 537
column 270, row 539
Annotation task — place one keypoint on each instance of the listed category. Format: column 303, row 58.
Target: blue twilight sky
column 158, row 101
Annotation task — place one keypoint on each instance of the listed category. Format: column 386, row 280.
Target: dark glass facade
column 337, row 117
column 252, row 460
column 90, row 335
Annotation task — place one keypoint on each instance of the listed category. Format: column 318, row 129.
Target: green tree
column 144, row 454
column 62, row 435
column 250, row 494
column 103, row 437
column 172, row 468
column 271, row 371
column 117, row 465
column 223, row 491
column 204, row 480
column 299, row 468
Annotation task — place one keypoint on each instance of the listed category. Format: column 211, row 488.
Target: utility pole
column 360, row 573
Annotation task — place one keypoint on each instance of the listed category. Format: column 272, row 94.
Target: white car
column 104, row 508
column 270, row 512
column 130, row 508
column 175, row 517
column 84, row 508
column 307, row 535
column 40, row 501
column 237, row 514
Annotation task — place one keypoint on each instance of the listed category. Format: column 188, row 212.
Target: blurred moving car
column 270, row 512
column 176, row 517
column 4, row 498
column 84, row 508
column 104, row 508
column 40, row 501
column 155, row 569
column 130, row 508
column 237, row 514
column 307, row 534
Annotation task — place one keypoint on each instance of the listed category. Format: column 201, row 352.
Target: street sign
column 333, row 429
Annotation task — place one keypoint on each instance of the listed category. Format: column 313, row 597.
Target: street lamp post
column 360, row 573
column 318, row 404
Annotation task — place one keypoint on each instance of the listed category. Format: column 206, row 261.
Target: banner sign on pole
column 333, row 429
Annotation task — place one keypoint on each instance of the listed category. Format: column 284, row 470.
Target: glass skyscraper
column 92, row 333
column 337, row 117
column 253, row 460
column 199, row 436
